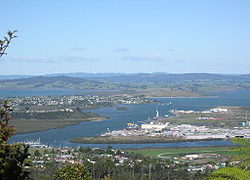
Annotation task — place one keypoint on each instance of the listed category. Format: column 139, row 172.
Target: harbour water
column 136, row 113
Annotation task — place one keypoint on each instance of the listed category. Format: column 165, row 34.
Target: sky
column 126, row 36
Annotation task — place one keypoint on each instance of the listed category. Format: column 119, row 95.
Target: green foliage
column 230, row 173
column 73, row 172
column 107, row 178
column 13, row 159
column 243, row 153
column 45, row 152
column 37, row 153
column 5, row 130
column 241, row 172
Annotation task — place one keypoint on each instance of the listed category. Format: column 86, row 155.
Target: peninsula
column 40, row 113
column 223, row 122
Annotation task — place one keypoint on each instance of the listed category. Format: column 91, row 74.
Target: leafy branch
column 4, row 43
column 5, row 130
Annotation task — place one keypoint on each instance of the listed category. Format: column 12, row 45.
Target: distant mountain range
column 171, row 78
column 46, row 82
column 79, row 75
column 83, row 75
column 14, row 76
column 117, row 80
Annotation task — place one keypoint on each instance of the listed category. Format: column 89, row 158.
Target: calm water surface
column 136, row 113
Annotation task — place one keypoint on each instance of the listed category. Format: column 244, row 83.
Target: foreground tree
column 5, row 42
column 230, row 173
column 73, row 172
column 13, row 157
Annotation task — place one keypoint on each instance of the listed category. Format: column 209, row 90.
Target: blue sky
column 177, row 36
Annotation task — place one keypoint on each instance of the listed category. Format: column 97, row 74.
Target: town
column 130, row 163
column 158, row 129
column 40, row 113
column 68, row 103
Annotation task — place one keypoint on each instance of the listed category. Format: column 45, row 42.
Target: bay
column 137, row 113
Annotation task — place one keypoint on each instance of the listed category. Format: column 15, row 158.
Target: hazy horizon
column 125, row 73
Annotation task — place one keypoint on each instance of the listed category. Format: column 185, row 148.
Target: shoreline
column 173, row 97
column 84, row 140
column 127, row 138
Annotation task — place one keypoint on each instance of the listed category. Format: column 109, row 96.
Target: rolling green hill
column 192, row 82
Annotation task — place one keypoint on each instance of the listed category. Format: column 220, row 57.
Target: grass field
column 34, row 125
column 183, row 151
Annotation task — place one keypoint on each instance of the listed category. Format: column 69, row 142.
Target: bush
column 73, row 172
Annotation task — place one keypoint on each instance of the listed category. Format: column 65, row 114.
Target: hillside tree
column 13, row 157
